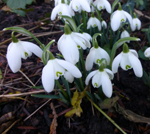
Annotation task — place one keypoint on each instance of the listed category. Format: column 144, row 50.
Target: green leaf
column 113, row 5
column 46, row 96
column 16, row 5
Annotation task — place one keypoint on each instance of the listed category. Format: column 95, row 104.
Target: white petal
column 90, row 60
column 110, row 73
column 48, row 77
column 107, row 6
column 125, row 63
column 129, row 18
column 98, row 23
column 147, row 52
column 134, row 52
column 116, row 20
column 33, row 48
column 85, row 5
column 68, row 76
column 70, row 68
column 96, row 80
column 136, row 64
column 61, row 41
column 116, row 62
column 90, row 75
column 13, row 57
column 55, row 11
column 106, row 85
column 104, row 24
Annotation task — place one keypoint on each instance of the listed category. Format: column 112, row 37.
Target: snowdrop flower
column 87, row 36
column 136, row 23
column 20, row 49
column 102, row 4
column 118, row 17
column 62, row 9
column 104, row 24
column 102, row 78
column 70, row 42
column 56, row 68
column 128, row 59
column 95, row 55
column 125, row 34
column 93, row 22
column 79, row 5
column 147, row 52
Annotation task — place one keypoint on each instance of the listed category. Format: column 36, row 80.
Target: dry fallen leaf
column 6, row 8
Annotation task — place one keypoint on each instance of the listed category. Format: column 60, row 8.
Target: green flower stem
column 82, row 62
column 14, row 39
column 65, row 94
column 84, row 21
column 100, row 110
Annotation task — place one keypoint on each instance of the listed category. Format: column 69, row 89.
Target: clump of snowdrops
column 87, row 50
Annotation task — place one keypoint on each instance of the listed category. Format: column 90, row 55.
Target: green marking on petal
column 77, row 7
column 58, row 74
column 100, row 7
column 94, row 25
column 122, row 20
column 78, row 46
column 26, row 54
column 83, row 43
column 95, row 84
column 128, row 67
column 60, row 13
column 98, row 61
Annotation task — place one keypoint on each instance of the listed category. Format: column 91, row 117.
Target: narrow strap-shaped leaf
column 46, row 96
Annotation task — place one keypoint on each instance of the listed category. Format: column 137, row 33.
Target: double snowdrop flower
column 136, row 23
column 125, row 34
column 79, row 5
column 20, row 49
column 118, row 17
column 101, row 77
column 128, row 59
column 70, row 42
column 62, row 9
column 95, row 55
column 102, row 4
column 56, row 68
column 93, row 22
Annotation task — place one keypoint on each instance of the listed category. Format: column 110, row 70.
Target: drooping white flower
column 147, row 52
column 61, row 9
column 136, row 24
column 79, row 5
column 104, row 24
column 94, row 56
column 69, row 43
column 118, row 17
column 126, row 60
column 56, row 68
column 18, row 50
column 125, row 34
column 102, row 4
column 93, row 22
column 101, row 78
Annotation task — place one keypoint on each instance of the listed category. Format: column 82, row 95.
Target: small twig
column 27, row 78
column 37, row 110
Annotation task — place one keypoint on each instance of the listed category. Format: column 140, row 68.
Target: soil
column 133, row 94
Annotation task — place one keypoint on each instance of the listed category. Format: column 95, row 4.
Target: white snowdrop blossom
column 87, row 36
column 94, row 56
column 68, row 45
column 102, row 4
column 62, row 9
column 147, row 52
column 125, row 34
column 79, row 5
column 128, row 60
column 93, row 22
column 56, row 68
column 18, row 50
column 101, row 78
column 118, row 17
column 136, row 24
column 104, row 24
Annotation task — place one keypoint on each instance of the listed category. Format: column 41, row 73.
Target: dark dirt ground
column 133, row 93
